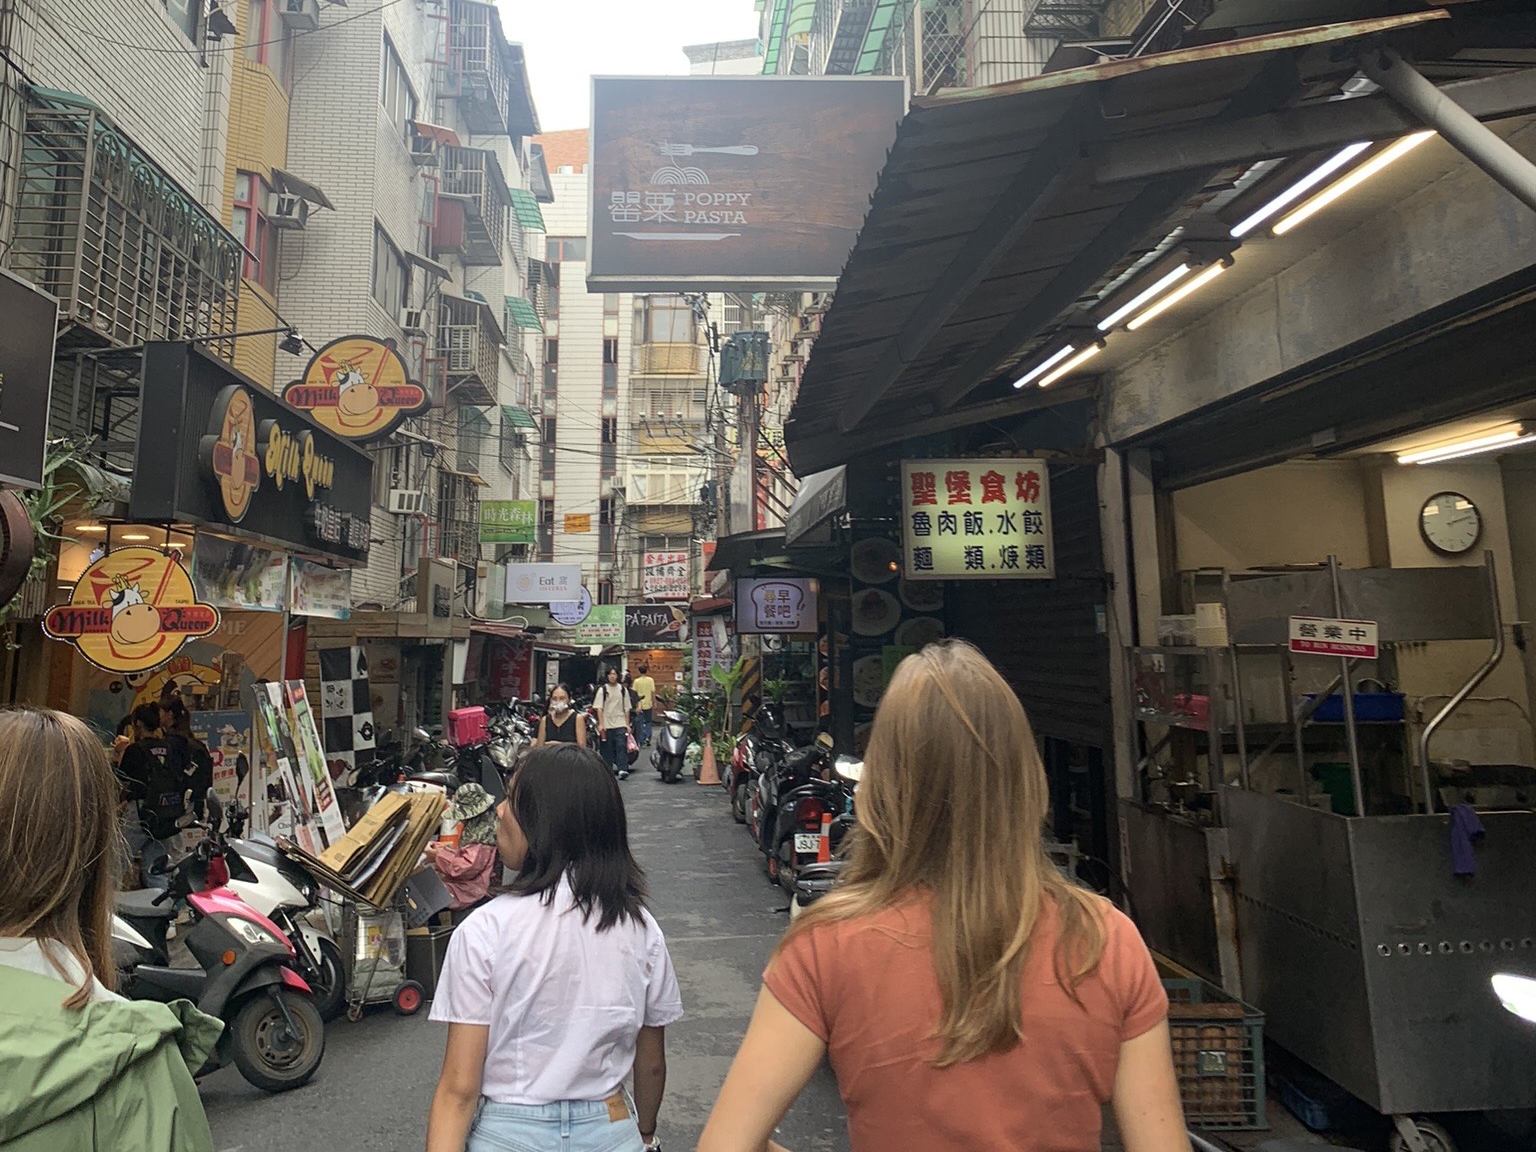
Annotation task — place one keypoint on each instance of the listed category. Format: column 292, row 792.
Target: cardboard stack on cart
column 372, row 862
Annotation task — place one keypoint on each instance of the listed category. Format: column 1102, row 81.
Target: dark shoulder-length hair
column 568, row 805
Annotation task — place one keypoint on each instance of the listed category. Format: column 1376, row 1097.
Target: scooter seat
column 140, row 905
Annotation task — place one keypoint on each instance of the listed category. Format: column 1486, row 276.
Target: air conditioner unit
column 424, row 150
column 405, row 502
column 304, row 14
column 289, row 212
column 413, row 321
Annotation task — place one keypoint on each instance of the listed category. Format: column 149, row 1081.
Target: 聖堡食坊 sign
column 225, row 453
column 986, row 519
column 732, row 181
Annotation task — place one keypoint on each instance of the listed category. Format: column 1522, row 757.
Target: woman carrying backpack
column 612, row 706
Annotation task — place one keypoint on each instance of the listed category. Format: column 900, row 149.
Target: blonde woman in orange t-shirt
column 966, row 995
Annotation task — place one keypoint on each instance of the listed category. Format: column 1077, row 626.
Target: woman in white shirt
column 558, row 989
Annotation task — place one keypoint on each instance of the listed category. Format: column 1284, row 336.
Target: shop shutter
column 1046, row 636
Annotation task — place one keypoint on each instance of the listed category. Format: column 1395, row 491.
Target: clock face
column 1451, row 523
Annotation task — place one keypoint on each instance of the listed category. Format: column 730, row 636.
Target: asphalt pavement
column 721, row 918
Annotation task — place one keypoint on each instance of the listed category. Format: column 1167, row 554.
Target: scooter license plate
column 807, row 841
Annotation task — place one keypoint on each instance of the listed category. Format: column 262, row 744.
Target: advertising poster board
column 283, row 806
column 979, row 519
column 231, row 574
column 713, row 638
column 650, row 625
column 730, row 181
column 604, row 625
column 311, row 760
column 507, row 521
column 664, row 576
column 315, row 590
column 228, row 737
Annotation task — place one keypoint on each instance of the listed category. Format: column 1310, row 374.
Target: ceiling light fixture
column 1353, row 180
column 135, row 536
column 1072, row 365
column 1141, row 299
column 1045, row 365
column 1299, row 189
column 89, row 528
column 1188, row 288
column 1473, row 446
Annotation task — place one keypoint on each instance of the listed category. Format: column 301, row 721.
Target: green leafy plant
column 44, row 507
column 729, row 680
column 776, row 690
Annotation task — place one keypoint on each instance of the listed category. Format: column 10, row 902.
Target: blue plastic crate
column 1370, row 708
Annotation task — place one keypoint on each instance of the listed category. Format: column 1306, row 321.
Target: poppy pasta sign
column 358, row 387
column 131, row 611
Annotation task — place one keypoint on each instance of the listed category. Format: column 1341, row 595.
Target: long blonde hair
column 952, row 804
column 59, row 839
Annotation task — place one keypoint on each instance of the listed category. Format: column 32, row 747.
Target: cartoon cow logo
column 229, row 451
column 358, row 387
column 131, row 611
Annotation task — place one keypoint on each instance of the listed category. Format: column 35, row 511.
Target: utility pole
column 917, row 45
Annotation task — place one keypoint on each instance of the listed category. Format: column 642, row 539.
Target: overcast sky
column 569, row 41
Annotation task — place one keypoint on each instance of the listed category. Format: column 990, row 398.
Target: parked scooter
column 287, row 894
column 273, row 1032
column 671, row 746
column 813, row 880
column 758, row 751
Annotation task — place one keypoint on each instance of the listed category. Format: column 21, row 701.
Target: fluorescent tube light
column 1456, row 449
column 1142, row 298
column 1353, row 180
column 1072, row 365
column 1299, row 189
column 1187, row 289
column 1045, row 365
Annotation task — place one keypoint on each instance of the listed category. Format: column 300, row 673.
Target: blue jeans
column 616, row 748
column 569, row 1126
column 642, row 727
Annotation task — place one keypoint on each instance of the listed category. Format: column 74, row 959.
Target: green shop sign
column 507, row 521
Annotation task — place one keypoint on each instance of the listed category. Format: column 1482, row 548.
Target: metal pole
column 917, row 45
column 1466, row 689
column 1465, row 132
column 1347, row 686
column 1295, row 721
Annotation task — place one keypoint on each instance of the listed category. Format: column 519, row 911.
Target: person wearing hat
column 467, row 869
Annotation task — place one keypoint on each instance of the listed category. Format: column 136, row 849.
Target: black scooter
column 814, row 879
column 273, row 1032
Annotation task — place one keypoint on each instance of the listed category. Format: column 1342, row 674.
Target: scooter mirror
column 421, row 734
column 215, row 810
column 1517, row 994
column 849, row 769
column 824, row 740
column 242, row 769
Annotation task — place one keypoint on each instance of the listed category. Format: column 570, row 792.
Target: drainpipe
column 1465, row 132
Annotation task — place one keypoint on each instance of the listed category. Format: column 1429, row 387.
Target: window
column 250, row 225
column 669, row 320
column 547, row 529
column 610, row 430
column 184, row 14
column 610, row 379
column 605, row 591
column 610, row 303
column 391, row 274
column 605, row 510
column 688, row 404
column 547, row 512
column 559, row 248
column 395, row 91
column 611, row 351
column 267, row 39
column 552, row 351
column 547, row 450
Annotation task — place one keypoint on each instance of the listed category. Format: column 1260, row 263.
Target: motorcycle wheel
column 672, row 769
column 330, row 983
column 265, row 1053
column 738, row 800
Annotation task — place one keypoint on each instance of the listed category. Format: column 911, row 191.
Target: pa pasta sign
column 986, row 519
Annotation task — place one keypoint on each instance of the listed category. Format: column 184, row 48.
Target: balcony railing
column 458, row 514
column 472, row 176
column 668, row 359
column 469, row 347
column 478, row 66
column 130, row 255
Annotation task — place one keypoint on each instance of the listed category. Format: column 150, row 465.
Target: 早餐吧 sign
column 131, row 611
column 775, row 604
column 507, row 521
column 358, row 387
column 987, row 519
column 237, row 456
column 733, row 181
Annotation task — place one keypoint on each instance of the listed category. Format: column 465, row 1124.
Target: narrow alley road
column 721, row 918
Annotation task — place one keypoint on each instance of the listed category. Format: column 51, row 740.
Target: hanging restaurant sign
column 358, row 387
column 733, row 181
column 131, row 611
column 987, row 519
column 223, row 452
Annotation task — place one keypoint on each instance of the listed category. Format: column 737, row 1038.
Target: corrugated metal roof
column 1013, row 160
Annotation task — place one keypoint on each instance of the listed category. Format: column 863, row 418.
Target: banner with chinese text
column 507, row 521
column 665, row 576
column 987, row 519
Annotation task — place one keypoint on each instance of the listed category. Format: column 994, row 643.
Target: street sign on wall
column 983, row 519
column 733, row 182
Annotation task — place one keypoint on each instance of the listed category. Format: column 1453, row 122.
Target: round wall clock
column 1450, row 523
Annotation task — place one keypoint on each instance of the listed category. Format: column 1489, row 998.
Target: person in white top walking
column 559, row 988
column 612, row 705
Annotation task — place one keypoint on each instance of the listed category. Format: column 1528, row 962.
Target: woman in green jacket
column 80, row 1067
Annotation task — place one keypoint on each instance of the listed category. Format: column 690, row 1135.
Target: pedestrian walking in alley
column 561, row 987
column 612, row 705
column 561, row 724
column 80, row 1068
column 968, row 996
column 153, row 770
column 645, row 703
